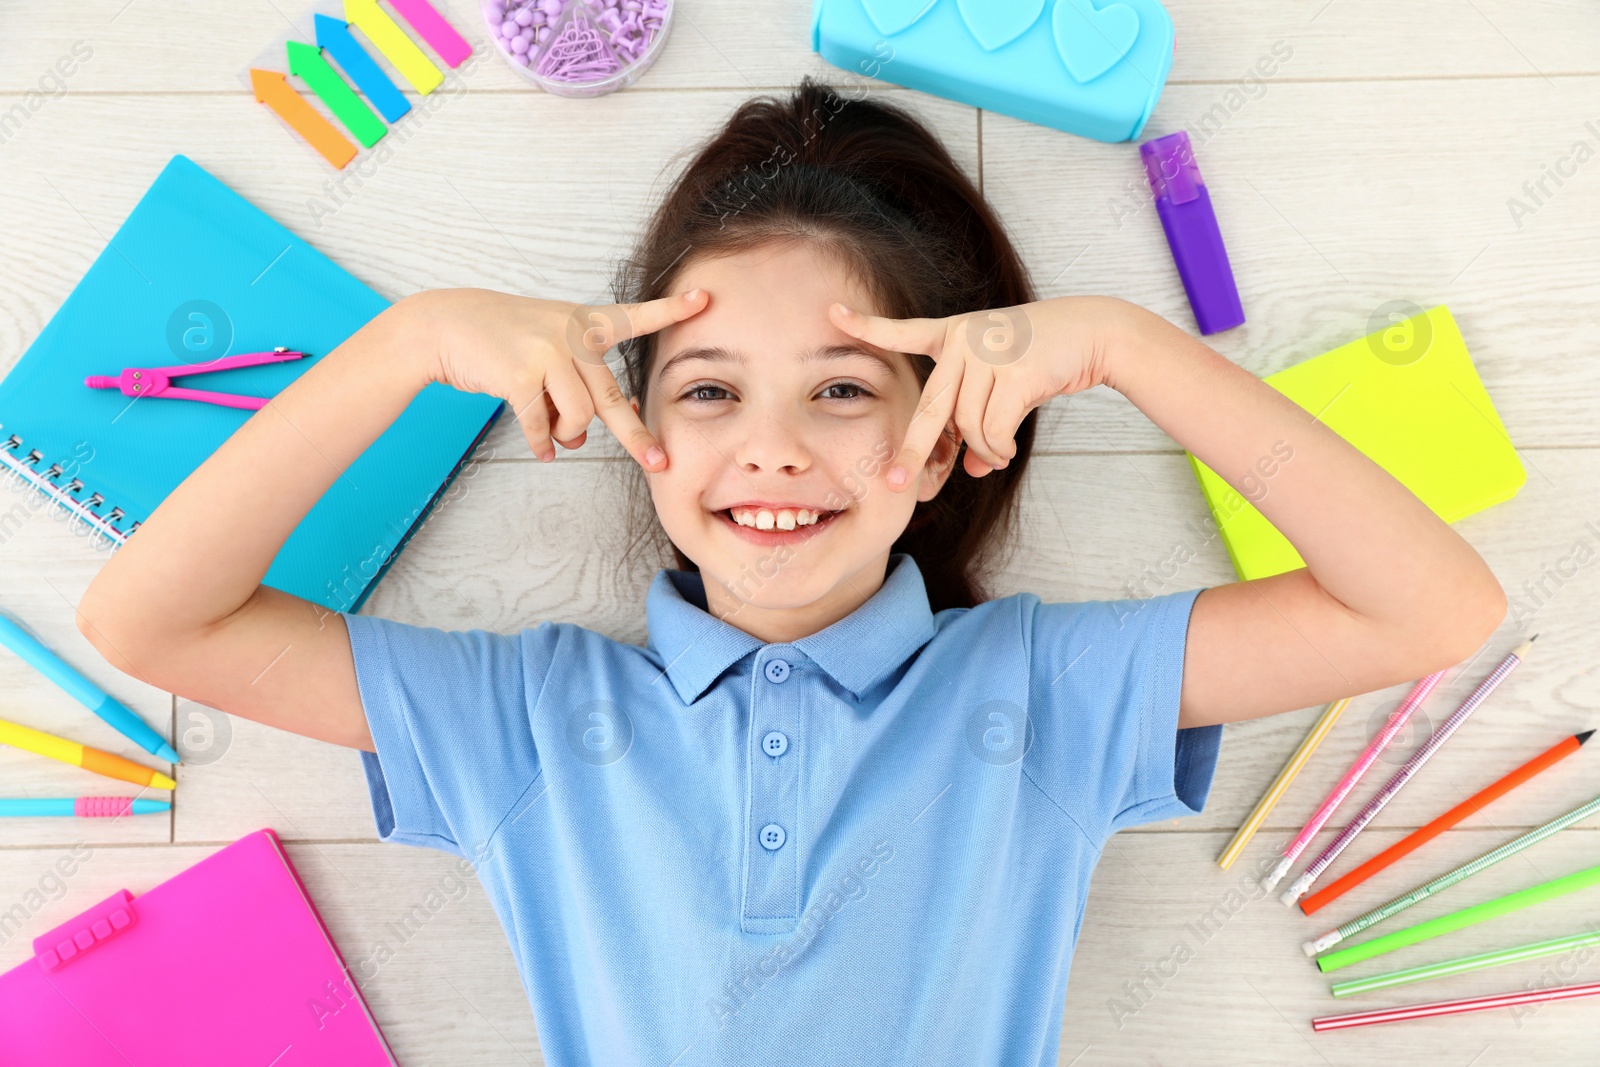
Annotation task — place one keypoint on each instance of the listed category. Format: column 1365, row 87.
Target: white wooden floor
column 1375, row 164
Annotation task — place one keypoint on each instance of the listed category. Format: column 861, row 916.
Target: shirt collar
column 858, row 651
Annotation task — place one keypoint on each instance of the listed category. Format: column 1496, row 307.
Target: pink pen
column 1368, row 757
column 157, row 381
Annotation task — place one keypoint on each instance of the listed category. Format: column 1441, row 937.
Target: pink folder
column 227, row 962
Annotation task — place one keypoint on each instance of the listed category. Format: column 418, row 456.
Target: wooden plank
column 132, row 49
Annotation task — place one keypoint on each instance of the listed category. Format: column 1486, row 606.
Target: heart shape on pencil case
column 1092, row 41
column 999, row 22
column 892, row 16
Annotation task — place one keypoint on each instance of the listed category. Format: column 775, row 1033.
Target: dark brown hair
column 874, row 187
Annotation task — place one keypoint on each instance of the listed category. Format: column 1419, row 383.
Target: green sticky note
column 1408, row 397
column 307, row 64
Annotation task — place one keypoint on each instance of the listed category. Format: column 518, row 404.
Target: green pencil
column 1463, row 964
column 1489, row 909
column 1450, row 878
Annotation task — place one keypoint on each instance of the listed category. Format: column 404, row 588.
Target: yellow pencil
column 90, row 759
column 1281, row 783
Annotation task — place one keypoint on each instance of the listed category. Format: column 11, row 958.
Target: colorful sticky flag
column 307, row 64
column 273, row 89
column 334, row 37
column 392, row 41
column 431, row 26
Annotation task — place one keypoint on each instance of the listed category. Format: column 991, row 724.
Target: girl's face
column 772, row 418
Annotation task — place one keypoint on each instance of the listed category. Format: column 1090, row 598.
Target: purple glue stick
column 1191, row 225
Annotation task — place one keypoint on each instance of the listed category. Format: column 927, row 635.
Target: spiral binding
column 24, row 469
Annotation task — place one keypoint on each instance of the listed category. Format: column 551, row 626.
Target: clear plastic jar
column 579, row 47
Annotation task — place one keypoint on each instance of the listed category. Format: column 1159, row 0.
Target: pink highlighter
column 1191, row 226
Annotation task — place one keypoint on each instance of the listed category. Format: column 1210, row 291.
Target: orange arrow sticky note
column 273, row 89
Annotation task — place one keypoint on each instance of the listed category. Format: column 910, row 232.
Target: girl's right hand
column 546, row 359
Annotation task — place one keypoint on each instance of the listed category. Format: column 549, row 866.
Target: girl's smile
column 773, row 525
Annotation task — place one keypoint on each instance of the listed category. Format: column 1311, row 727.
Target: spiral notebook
column 226, row 962
column 1409, row 398
column 197, row 272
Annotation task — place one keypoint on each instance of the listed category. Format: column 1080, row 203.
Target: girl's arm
column 181, row 604
column 1389, row 592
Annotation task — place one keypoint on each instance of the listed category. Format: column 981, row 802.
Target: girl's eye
column 861, row 391
column 693, row 390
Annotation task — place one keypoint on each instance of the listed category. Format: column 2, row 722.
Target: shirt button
column 775, row 744
column 772, row 837
column 777, row 670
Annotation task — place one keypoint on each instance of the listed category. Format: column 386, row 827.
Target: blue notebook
column 195, row 273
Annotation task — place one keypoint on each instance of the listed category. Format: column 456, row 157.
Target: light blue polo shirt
column 870, row 845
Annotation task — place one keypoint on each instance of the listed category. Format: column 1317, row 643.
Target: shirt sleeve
column 1107, row 676
column 450, row 715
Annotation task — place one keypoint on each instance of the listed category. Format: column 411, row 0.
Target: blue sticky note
column 334, row 36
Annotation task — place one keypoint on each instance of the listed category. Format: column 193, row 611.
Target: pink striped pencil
column 1368, row 757
column 1308, row 877
column 1453, row 1007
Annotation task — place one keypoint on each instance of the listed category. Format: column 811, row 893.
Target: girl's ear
column 941, row 462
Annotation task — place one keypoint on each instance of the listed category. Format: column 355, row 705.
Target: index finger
column 934, row 408
column 923, row 336
column 593, row 330
column 620, row 418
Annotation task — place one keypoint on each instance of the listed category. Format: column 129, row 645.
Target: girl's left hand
column 990, row 369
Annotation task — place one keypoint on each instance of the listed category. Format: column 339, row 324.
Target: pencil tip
column 1584, row 736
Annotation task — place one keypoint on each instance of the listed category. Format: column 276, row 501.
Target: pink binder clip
column 157, row 381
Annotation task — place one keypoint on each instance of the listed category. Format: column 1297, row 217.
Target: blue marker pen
column 84, row 691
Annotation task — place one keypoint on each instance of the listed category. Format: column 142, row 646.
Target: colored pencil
column 1444, row 924
column 1419, row 758
column 1280, row 784
column 1464, row 964
column 89, row 807
column 1451, row 877
column 90, row 759
column 1454, row 1007
column 1471, row 806
column 1369, row 755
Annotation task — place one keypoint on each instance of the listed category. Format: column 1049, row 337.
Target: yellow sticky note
column 1410, row 399
column 392, row 41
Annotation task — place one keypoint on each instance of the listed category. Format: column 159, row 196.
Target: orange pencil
column 1415, row 840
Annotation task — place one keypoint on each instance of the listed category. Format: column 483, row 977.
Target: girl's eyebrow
column 723, row 354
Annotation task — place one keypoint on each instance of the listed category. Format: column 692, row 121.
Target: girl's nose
column 771, row 440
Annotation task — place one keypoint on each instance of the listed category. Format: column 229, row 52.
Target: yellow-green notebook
column 1409, row 398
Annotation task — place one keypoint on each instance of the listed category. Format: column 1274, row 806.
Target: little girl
column 844, row 806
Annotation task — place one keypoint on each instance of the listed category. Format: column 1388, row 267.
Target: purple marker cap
column 1191, row 227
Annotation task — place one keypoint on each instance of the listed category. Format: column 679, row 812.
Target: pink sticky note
column 439, row 34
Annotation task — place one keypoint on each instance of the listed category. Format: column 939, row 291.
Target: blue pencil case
column 1067, row 64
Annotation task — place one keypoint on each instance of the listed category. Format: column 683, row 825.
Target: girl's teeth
column 784, row 519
